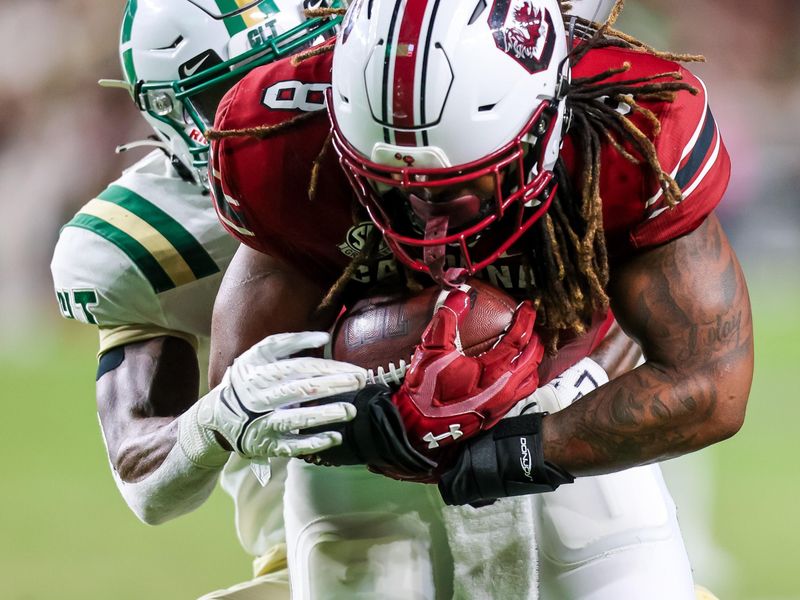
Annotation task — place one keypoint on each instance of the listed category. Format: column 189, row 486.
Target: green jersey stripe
column 199, row 261
column 148, row 265
column 227, row 7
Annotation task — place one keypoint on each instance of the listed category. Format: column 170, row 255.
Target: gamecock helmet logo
column 523, row 31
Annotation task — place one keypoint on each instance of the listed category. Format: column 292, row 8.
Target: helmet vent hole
column 173, row 45
column 487, row 107
column 479, row 8
column 344, row 98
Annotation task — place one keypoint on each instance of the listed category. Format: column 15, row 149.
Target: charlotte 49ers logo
column 524, row 31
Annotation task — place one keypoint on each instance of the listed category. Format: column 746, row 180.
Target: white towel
column 494, row 550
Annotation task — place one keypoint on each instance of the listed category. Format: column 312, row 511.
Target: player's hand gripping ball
column 380, row 333
column 448, row 396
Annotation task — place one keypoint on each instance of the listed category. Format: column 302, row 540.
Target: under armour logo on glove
column 447, row 395
column 433, row 440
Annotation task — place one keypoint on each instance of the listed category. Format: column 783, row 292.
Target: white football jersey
column 143, row 258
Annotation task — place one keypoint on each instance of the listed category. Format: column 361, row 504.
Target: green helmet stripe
column 233, row 24
column 199, row 261
column 145, row 261
column 125, row 38
column 127, row 66
column 127, row 21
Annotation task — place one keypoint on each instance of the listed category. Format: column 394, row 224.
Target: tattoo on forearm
column 723, row 332
column 687, row 304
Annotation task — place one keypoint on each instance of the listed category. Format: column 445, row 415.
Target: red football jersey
column 260, row 186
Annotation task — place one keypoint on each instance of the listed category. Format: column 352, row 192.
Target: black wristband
column 506, row 461
column 375, row 437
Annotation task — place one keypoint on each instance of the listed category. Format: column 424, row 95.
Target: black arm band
column 375, row 437
column 110, row 360
column 506, row 461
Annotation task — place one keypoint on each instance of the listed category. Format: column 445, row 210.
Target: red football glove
column 447, row 396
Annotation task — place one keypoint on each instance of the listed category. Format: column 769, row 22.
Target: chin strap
column 434, row 256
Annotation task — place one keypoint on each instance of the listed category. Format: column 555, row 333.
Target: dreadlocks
column 565, row 251
column 261, row 132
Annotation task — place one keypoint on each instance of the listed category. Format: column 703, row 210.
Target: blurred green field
column 757, row 519
column 67, row 535
column 66, row 532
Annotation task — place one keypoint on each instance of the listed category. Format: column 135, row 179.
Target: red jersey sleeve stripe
column 699, row 153
column 688, row 148
column 704, row 163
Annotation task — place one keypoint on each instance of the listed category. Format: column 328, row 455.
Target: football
column 380, row 333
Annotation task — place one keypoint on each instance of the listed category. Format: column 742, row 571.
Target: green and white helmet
column 179, row 57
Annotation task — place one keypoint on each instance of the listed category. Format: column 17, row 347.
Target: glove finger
column 441, row 332
column 281, row 345
column 458, row 300
column 525, row 367
column 532, row 353
column 518, row 335
column 306, row 367
column 307, row 444
column 285, row 420
column 304, row 390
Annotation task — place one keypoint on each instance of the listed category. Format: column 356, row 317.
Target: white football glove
column 255, row 407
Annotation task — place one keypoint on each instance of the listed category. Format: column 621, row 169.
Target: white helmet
column 179, row 57
column 430, row 98
column 596, row 11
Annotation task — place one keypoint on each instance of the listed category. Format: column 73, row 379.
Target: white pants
column 274, row 586
column 609, row 537
column 352, row 534
column 612, row 537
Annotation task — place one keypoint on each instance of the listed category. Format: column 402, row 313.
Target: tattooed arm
column 686, row 303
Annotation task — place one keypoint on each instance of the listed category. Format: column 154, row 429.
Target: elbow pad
column 505, row 461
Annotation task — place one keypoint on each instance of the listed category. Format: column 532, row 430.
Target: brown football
column 380, row 333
